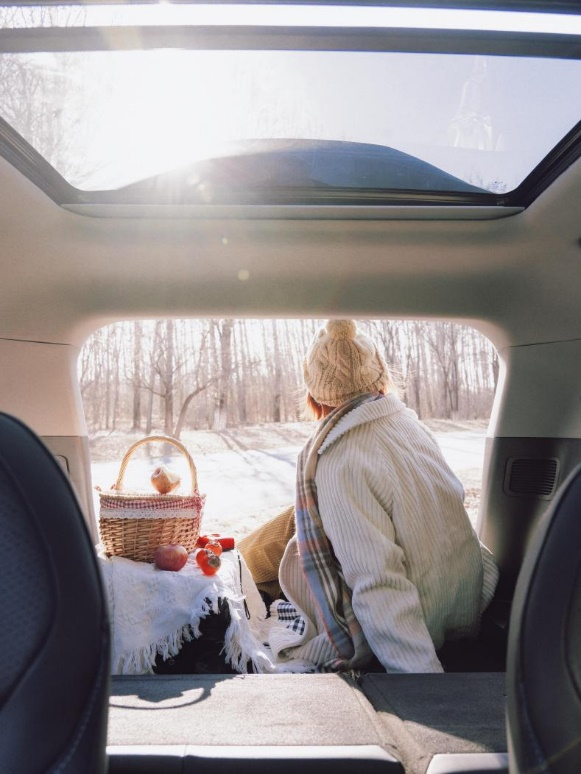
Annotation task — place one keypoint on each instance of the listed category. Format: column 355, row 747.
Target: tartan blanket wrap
column 322, row 570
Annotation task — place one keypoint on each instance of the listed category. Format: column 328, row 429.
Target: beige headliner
column 65, row 274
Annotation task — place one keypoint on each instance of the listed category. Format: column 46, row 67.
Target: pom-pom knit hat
column 341, row 363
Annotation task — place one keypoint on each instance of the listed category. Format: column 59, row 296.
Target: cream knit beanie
column 341, row 363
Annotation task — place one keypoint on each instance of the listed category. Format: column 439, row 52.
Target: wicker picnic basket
column 133, row 524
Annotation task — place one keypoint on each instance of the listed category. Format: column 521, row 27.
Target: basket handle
column 162, row 439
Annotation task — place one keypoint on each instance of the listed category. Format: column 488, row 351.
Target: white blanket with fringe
column 154, row 612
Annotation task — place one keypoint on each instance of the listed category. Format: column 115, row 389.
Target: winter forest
column 174, row 375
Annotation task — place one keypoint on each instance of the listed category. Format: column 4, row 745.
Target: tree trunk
column 137, row 358
column 416, row 379
column 184, row 409
column 220, row 421
column 168, row 377
column 277, row 382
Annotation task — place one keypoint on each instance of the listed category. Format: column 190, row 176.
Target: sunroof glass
column 382, row 120
column 106, row 119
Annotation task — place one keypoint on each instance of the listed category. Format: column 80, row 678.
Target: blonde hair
column 314, row 410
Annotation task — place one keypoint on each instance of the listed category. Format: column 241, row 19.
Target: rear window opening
column 231, row 391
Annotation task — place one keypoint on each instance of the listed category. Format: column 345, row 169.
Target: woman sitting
column 381, row 559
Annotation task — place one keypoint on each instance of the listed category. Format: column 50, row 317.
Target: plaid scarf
column 322, row 570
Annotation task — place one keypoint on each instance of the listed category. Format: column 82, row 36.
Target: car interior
column 304, row 159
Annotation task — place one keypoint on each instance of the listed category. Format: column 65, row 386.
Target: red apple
column 171, row 557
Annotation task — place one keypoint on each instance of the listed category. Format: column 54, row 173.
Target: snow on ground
column 247, row 473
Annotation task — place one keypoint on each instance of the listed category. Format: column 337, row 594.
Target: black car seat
column 54, row 631
column 544, row 648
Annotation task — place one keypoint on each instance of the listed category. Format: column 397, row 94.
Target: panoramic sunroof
column 106, row 119
column 153, row 118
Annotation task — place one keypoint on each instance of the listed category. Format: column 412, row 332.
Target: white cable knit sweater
column 393, row 511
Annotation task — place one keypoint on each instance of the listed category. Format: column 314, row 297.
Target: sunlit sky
column 300, row 15
column 131, row 114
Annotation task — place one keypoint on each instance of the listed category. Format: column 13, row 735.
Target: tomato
column 208, row 561
column 225, row 541
column 215, row 546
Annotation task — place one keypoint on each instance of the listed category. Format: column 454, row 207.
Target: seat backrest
column 544, row 649
column 54, row 636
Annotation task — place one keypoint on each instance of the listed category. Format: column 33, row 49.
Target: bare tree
column 136, row 376
column 442, row 338
column 213, row 373
column 224, row 330
column 32, row 89
column 199, row 386
column 277, row 375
